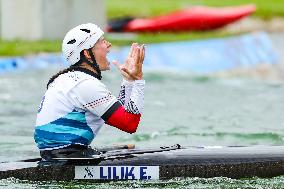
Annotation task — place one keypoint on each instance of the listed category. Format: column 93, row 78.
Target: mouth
column 107, row 62
column 107, row 59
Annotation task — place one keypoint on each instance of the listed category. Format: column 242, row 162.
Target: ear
column 87, row 54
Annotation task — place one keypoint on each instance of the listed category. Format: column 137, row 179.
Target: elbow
column 124, row 121
column 132, row 124
column 132, row 128
column 131, row 131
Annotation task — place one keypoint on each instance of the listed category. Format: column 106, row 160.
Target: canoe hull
column 232, row 162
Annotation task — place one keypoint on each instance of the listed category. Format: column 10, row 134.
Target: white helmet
column 79, row 38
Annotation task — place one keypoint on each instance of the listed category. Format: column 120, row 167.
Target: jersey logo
column 41, row 104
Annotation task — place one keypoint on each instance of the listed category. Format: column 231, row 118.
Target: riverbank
column 141, row 8
column 23, row 48
column 269, row 16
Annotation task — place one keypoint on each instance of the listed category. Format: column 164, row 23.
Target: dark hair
column 69, row 69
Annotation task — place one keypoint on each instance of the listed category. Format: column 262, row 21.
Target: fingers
column 131, row 52
column 130, row 76
column 137, row 54
column 142, row 53
column 126, row 72
column 125, row 75
column 133, row 46
column 141, row 58
column 132, row 68
column 116, row 63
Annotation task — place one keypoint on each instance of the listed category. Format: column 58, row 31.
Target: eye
column 71, row 41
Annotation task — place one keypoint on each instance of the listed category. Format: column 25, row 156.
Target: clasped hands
column 132, row 68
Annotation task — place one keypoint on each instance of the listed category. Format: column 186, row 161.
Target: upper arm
column 94, row 96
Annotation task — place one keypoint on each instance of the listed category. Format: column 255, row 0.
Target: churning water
column 179, row 108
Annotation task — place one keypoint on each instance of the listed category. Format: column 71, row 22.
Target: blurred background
column 214, row 74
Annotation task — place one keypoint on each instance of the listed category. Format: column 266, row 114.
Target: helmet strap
column 94, row 64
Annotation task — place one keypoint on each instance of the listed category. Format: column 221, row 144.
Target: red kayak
column 192, row 19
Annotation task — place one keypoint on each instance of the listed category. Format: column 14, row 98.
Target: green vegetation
column 145, row 8
column 19, row 48
column 167, row 37
column 142, row 8
column 16, row 48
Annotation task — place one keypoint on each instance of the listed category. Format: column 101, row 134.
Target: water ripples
column 269, row 137
column 197, row 183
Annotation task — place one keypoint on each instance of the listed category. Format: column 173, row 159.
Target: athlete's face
column 100, row 50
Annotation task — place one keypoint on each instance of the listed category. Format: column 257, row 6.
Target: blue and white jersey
column 70, row 111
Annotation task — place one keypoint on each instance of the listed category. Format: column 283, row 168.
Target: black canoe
column 161, row 163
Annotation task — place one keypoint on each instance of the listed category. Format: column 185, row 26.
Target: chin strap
column 94, row 64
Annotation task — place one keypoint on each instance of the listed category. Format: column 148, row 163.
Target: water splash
column 198, row 183
column 271, row 137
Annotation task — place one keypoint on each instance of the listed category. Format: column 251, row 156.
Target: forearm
column 135, row 103
column 124, row 120
column 125, row 91
column 127, row 118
